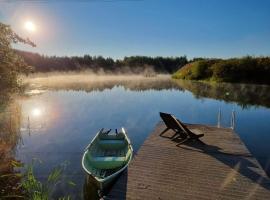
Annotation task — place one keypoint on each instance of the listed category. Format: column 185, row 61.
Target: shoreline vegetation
column 11, row 64
column 100, row 65
column 242, row 70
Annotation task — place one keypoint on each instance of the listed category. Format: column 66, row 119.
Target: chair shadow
column 238, row 162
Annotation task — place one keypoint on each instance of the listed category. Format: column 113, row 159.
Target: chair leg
column 176, row 133
column 181, row 135
column 165, row 130
column 196, row 137
column 183, row 141
column 199, row 141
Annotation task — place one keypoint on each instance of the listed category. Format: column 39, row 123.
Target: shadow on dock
column 238, row 163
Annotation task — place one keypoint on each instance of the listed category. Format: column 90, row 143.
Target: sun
column 36, row 112
column 30, row 26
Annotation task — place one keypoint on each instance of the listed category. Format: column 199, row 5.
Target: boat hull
column 106, row 182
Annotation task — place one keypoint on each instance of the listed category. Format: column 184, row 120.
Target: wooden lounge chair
column 178, row 127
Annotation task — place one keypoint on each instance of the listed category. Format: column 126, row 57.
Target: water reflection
column 90, row 189
column 63, row 119
column 101, row 83
column 10, row 137
column 245, row 95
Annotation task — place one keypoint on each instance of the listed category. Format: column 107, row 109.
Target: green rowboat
column 107, row 156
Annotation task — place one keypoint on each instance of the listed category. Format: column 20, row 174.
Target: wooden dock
column 223, row 168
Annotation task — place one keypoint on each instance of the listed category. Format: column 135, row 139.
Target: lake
column 58, row 116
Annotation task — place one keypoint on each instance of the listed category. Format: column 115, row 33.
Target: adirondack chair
column 178, row 127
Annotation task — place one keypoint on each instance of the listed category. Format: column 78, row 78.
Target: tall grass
column 31, row 188
column 37, row 190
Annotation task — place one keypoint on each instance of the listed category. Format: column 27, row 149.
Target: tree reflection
column 10, row 137
column 100, row 83
column 245, row 95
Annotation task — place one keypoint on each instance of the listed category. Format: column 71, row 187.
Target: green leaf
column 71, row 183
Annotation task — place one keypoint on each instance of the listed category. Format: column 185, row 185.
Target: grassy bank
column 246, row 70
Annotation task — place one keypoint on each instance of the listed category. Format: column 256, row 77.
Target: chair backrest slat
column 169, row 121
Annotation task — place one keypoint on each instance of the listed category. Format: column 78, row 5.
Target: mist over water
column 88, row 79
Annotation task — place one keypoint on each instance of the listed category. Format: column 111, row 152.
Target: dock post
column 28, row 125
column 233, row 120
column 219, row 118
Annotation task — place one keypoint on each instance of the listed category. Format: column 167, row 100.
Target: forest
column 245, row 70
column 132, row 64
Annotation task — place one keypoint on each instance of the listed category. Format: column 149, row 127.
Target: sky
column 118, row 28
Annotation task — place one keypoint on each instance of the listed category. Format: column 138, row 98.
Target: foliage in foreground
column 35, row 190
column 32, row 189
column 10, row 63
column 247, row 69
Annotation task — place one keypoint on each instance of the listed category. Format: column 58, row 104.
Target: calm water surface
column 58, row 123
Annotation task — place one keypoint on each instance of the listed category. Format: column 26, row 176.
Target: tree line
column 246, row 70
column 132, row 64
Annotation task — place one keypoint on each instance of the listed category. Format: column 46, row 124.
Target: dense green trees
column 247, row 69
column 133, row 64
column 10, row 63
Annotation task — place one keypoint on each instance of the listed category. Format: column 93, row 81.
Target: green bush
column 10, row 63
column 247, row 69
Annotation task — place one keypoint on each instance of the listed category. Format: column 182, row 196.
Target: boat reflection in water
column 10, row 139
column 91, row 190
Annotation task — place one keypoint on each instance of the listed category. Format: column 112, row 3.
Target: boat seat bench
column 108, row 162
column 112, row 144
column 119, row 136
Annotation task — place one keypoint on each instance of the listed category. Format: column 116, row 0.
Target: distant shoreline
column 255, row 70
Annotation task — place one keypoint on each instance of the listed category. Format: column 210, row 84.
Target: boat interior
column 107, row 154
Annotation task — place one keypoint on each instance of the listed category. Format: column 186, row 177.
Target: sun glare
column 30, row 26
column 36, row 112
